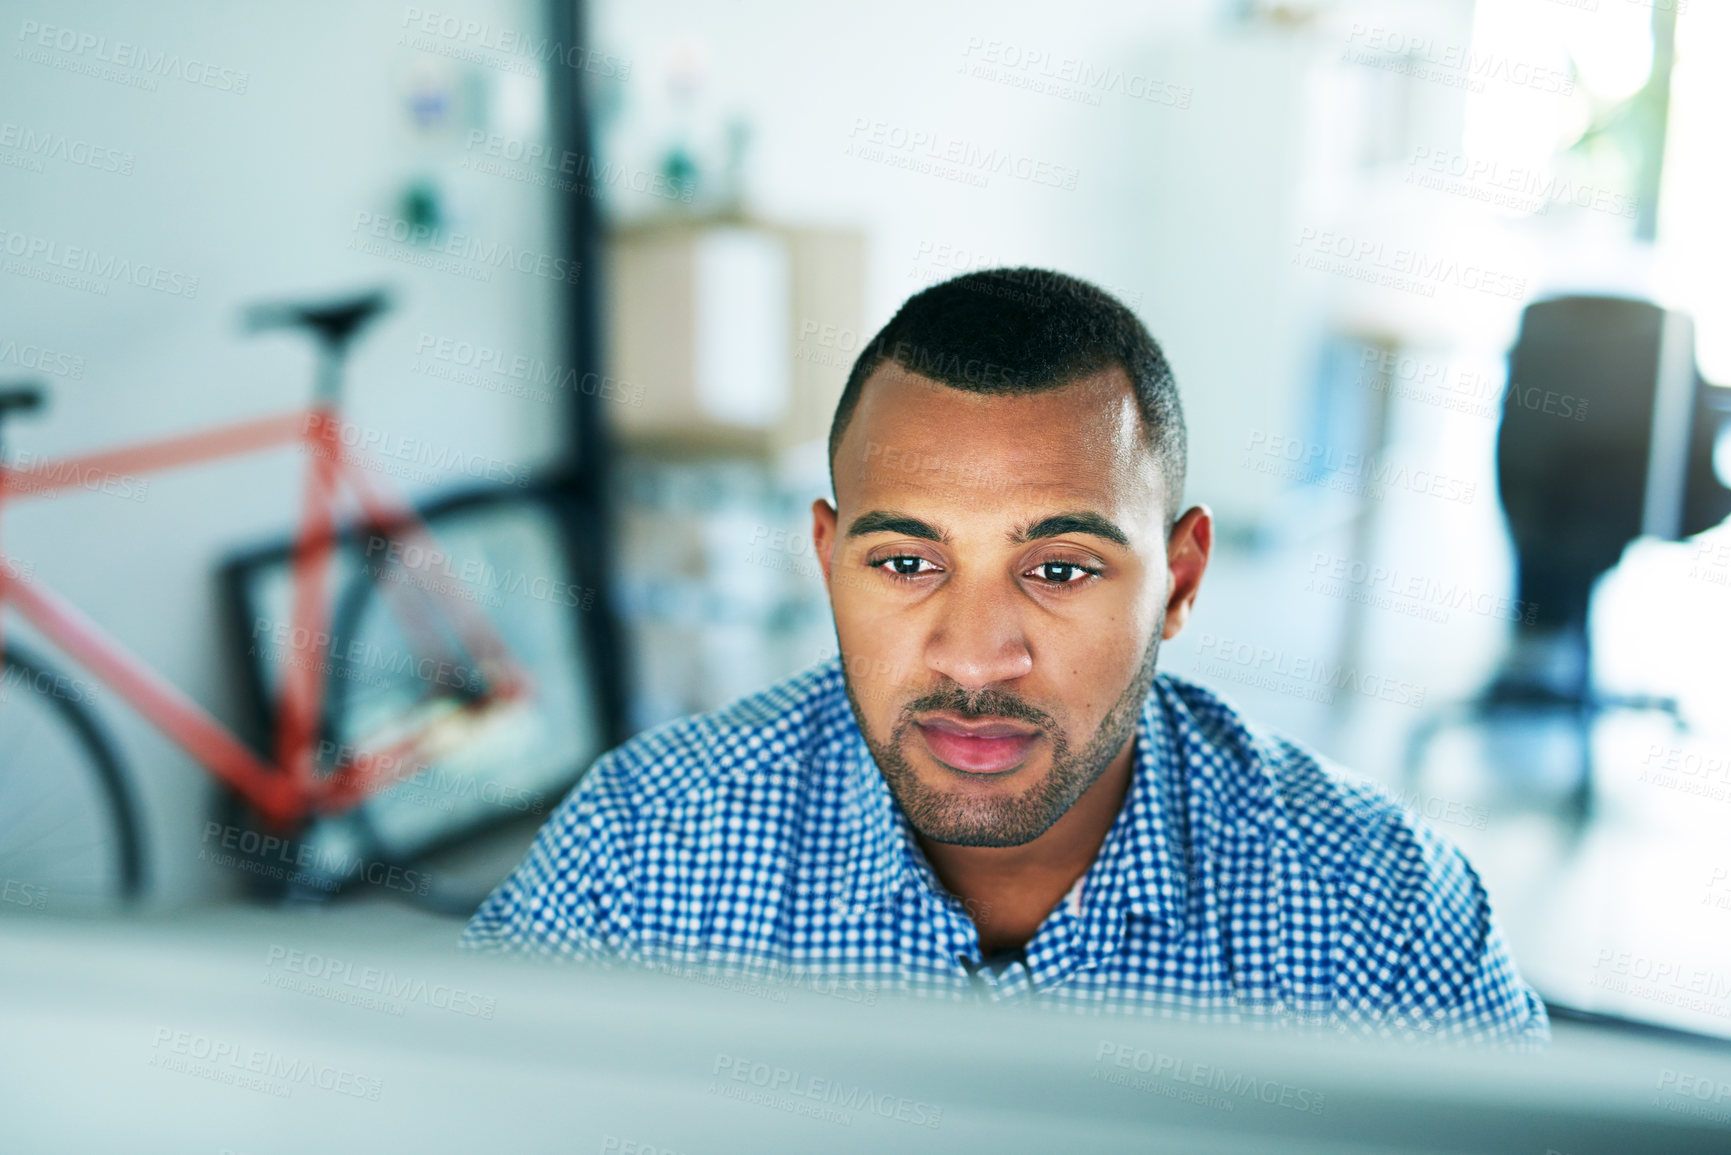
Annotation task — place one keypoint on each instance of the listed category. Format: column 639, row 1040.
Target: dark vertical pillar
column 579, row 228
column 584, row 480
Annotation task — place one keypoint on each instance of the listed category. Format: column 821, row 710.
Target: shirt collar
column 1140, row 867
column 871, row 862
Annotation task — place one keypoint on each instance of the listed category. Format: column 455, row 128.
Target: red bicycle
column 72, row 840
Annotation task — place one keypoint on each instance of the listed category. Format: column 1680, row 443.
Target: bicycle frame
column 289, row 789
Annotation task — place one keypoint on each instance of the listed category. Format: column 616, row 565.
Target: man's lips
column 978, row 747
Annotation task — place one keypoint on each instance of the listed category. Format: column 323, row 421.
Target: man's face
column 1000, row 581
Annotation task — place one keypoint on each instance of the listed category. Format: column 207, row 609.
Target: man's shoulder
column 1402, row 894
column 691, row 757
column 651, row 808
column 1332, row 820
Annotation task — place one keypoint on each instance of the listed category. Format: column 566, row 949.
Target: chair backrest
column 1607, row 433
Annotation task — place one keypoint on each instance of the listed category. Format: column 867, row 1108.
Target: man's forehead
column 1081, row 442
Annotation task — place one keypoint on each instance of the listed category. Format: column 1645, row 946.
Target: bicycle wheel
column 69, row 833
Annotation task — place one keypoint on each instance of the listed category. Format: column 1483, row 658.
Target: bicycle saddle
column 21, row 397
column 334, row 321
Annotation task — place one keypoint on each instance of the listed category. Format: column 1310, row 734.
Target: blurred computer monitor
column 277, row 1033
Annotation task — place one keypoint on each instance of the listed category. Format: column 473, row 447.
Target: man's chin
column 954, row 822
column 965, row 808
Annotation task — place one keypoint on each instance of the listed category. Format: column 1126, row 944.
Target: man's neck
column 1009, row 890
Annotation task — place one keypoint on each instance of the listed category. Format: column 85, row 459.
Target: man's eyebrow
column 1055, row 525
column 888, row 521
column 1081, row 521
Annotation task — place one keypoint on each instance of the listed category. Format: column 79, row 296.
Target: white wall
column 808, row 77
column 1186, row 204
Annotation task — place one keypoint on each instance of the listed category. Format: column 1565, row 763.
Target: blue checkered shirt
column 1244, row 879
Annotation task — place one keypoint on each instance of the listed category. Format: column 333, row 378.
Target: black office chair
column 1607, row 435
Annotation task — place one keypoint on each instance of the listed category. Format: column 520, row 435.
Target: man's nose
column 978, row 638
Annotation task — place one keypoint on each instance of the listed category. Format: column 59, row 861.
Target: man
column 990, row 788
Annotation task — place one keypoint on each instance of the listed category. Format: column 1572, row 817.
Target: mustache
column 988, row 703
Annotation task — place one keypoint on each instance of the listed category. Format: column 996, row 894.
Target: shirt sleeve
column 572, row 896
column 1423, row 954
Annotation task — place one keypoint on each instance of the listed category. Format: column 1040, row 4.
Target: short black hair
column 1024, row 330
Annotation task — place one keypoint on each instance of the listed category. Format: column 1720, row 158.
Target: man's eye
column 1063, row 572
column 903, row 565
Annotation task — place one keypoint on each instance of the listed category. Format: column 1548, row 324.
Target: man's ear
column 823, row 525
column 1187, row 550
